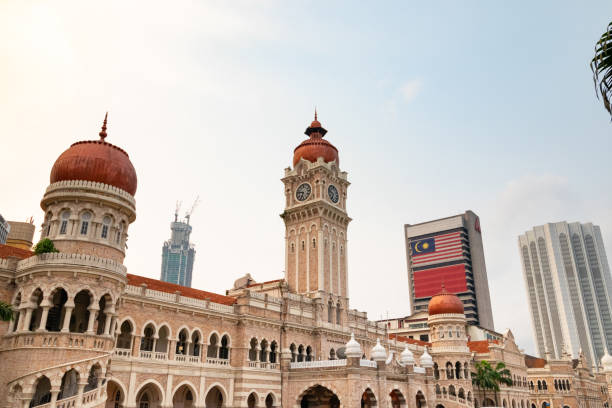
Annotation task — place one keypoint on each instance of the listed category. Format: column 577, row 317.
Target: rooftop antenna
column 176, row 210
column 193, row 207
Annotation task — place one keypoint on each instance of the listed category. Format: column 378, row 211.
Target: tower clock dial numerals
column 332, row 192
column 303, row 192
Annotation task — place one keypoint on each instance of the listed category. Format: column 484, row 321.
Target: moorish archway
column 319, row 397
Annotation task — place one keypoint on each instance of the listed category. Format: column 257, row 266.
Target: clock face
column 303, row 192
column 332, row 192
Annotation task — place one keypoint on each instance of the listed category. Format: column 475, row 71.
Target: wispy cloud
column 410, row 89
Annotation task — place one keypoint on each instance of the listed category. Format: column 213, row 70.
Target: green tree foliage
column 6, row 312
column 489, row 378
column 601, row 65
column 44, row 246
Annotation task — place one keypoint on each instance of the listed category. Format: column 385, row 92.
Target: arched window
column 338, row 313
column 65, row 216
column 436, row 371
column 449, row 370
column 263, row 353
column 544, row 385
column 451, row 390
column 146, row 343
column 309, row 356
column 106, row 222
column 332, row 354
column 314, row 243
column 539, row 385
column 124, row 340
column 181, row 344
column 293, row 353
column 273, row 351
column 458, row 370
column 300, row 353
column 253, row 349
column 292, row 247
column 330, row 311
column 303, row 246
column 213, row 346
column 85, row 218
column 224, row 349
column 195, row 344
column 57, row 310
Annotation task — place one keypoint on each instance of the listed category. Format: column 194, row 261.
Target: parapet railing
column 62, row 258
column 177, row 298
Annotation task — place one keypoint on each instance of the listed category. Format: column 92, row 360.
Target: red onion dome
column 445, row 302
column 314, row 147
column 96, row 160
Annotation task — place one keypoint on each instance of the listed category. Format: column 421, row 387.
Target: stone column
column 136, row 346
column 54, row 393
column 67, row 315
column 93, row 313
column 46, row 305
column 172, row 349
column 108, row 314
column 79, row 400
column 27, row 319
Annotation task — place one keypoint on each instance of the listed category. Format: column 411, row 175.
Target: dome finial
column 103, row 131
column 315, row 113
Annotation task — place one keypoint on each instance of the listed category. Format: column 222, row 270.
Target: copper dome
column 445, row 302
column 96, row 160
column 315, row 146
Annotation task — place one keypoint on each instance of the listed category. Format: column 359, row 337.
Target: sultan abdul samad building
column 87, row 333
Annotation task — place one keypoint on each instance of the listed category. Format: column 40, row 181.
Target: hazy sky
column 487, row 106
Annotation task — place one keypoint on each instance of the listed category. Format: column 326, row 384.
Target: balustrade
column 319, row 363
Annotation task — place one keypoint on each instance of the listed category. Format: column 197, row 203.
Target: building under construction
column 178, row 253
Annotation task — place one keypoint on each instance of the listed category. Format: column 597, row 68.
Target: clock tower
column 316, row 220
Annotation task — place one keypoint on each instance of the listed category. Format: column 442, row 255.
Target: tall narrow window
column 64, row 222
column 85, row 218
column 105, row 226
column 302, row 245
column 314, row 243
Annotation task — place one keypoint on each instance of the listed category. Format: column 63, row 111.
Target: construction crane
column 193, row 207
column 176, row 210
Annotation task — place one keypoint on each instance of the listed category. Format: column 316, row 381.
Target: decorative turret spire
column 315, row 130
column 103, row 131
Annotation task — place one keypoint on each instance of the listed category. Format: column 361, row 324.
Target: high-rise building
column 178, row 254
column 568, row 286
column 448, row 252
column 5, row 227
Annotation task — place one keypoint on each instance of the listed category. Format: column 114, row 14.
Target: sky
column 435, row 109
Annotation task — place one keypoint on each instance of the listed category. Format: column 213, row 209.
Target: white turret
column 378, row 352
column 426, row 360
column 407, row 358
column 352, row 348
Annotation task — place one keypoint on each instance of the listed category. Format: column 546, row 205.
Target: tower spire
column 315, row 113
column 103, row 131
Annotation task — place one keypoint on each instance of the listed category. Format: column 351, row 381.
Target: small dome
column 378, row 352
column 352, row 348
column 426, row 360
column 445, row 302
column 407, row 358
column 606, row 361
column 315, row 146
column 98, row 161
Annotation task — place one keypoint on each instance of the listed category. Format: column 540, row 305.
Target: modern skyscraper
column 449, row 252
column 568, row 286
column 178, row 254
column 4, row 229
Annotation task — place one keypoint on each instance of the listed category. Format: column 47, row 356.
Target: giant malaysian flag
column 427, row 254
column 441, row 248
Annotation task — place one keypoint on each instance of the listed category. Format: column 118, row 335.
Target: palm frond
column 6, row 312
column 601, row 65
